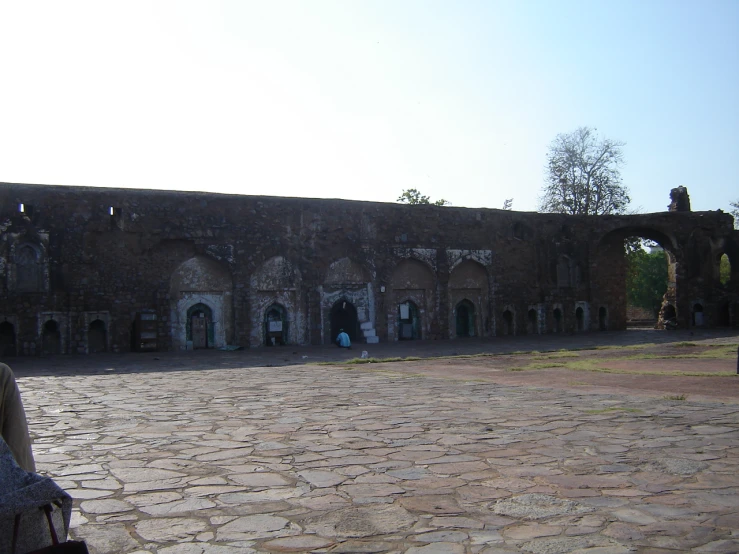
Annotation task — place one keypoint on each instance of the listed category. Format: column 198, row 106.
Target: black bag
column 66, row 547
column 33, row 509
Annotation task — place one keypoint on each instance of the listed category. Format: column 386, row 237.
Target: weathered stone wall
column 77, row 256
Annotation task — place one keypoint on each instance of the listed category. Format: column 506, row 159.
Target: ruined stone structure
column 90, row 269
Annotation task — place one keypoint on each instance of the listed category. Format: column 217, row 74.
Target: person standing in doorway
column 342, row 340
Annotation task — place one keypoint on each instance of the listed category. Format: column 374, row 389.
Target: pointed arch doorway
column 344, row 316
column 200, row 326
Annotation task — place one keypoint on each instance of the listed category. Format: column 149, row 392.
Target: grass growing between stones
column 612, row 409
column 596, row 366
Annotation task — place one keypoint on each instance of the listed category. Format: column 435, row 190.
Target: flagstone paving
column 325, row 459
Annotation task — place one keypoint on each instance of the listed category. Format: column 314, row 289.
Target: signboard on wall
column 275, row 326
column 404, row 311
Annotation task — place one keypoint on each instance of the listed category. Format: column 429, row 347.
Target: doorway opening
column 7, row 339
column 465, row 319
column 603, row 318
column 557, row 317
column 580, row 318
column 275, row 325
column 409, row 321
column 51, row 338
column 698, row 320
column 199, row 326
column 344, row 316
column 96, row 337
column 724, row 315
column 532, row 322
column 508, row 328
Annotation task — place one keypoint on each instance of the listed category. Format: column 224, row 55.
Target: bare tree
column 583, row 175
column 508, row 204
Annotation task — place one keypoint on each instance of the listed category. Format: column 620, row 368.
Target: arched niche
column 346, row 272
column 29, row 268
column 469, row 281
column 411, row 301
column 201, row 280
column 277, row 282
column 275, row 274
column 347, row 282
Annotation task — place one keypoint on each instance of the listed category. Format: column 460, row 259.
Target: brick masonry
column 78, row 264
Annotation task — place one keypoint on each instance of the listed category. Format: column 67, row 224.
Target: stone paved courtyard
column 217, row 456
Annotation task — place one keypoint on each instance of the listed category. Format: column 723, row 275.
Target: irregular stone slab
column 372, row 490
column 251, row 527
column 485, row 537
column 84, row 494
column 361, row 522
column 260, row 479
column 437, row 548
column 537, row 506
column 567, row 545
column 143, row 474
column 322, row 479
column 441, row 505
column 457, row 522
column 299, row 543
column 442, row 536
column 324, row 503
column 630, row 515
column 361, row 547
column 194, row 548
column 179, row 506
column 623, row 532
column 531, row 531
column 105, row 539
column 680, row 466
column 109, row 506
column 170, row 529
column 148, row 499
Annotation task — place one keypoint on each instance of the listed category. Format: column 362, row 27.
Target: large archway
column 635, row 273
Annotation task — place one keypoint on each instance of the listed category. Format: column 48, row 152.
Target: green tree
column 735, row 212
column 646, row 278
column 414, row 196
column 724, row 270
column 584, row 175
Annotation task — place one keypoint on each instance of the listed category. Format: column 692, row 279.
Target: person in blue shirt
column 342, row 341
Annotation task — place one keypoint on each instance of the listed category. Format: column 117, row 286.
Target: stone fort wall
column 79, row 265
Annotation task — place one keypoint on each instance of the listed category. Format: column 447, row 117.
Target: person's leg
column 13, row 424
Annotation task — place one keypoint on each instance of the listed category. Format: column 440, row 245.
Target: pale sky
column 361, row 99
